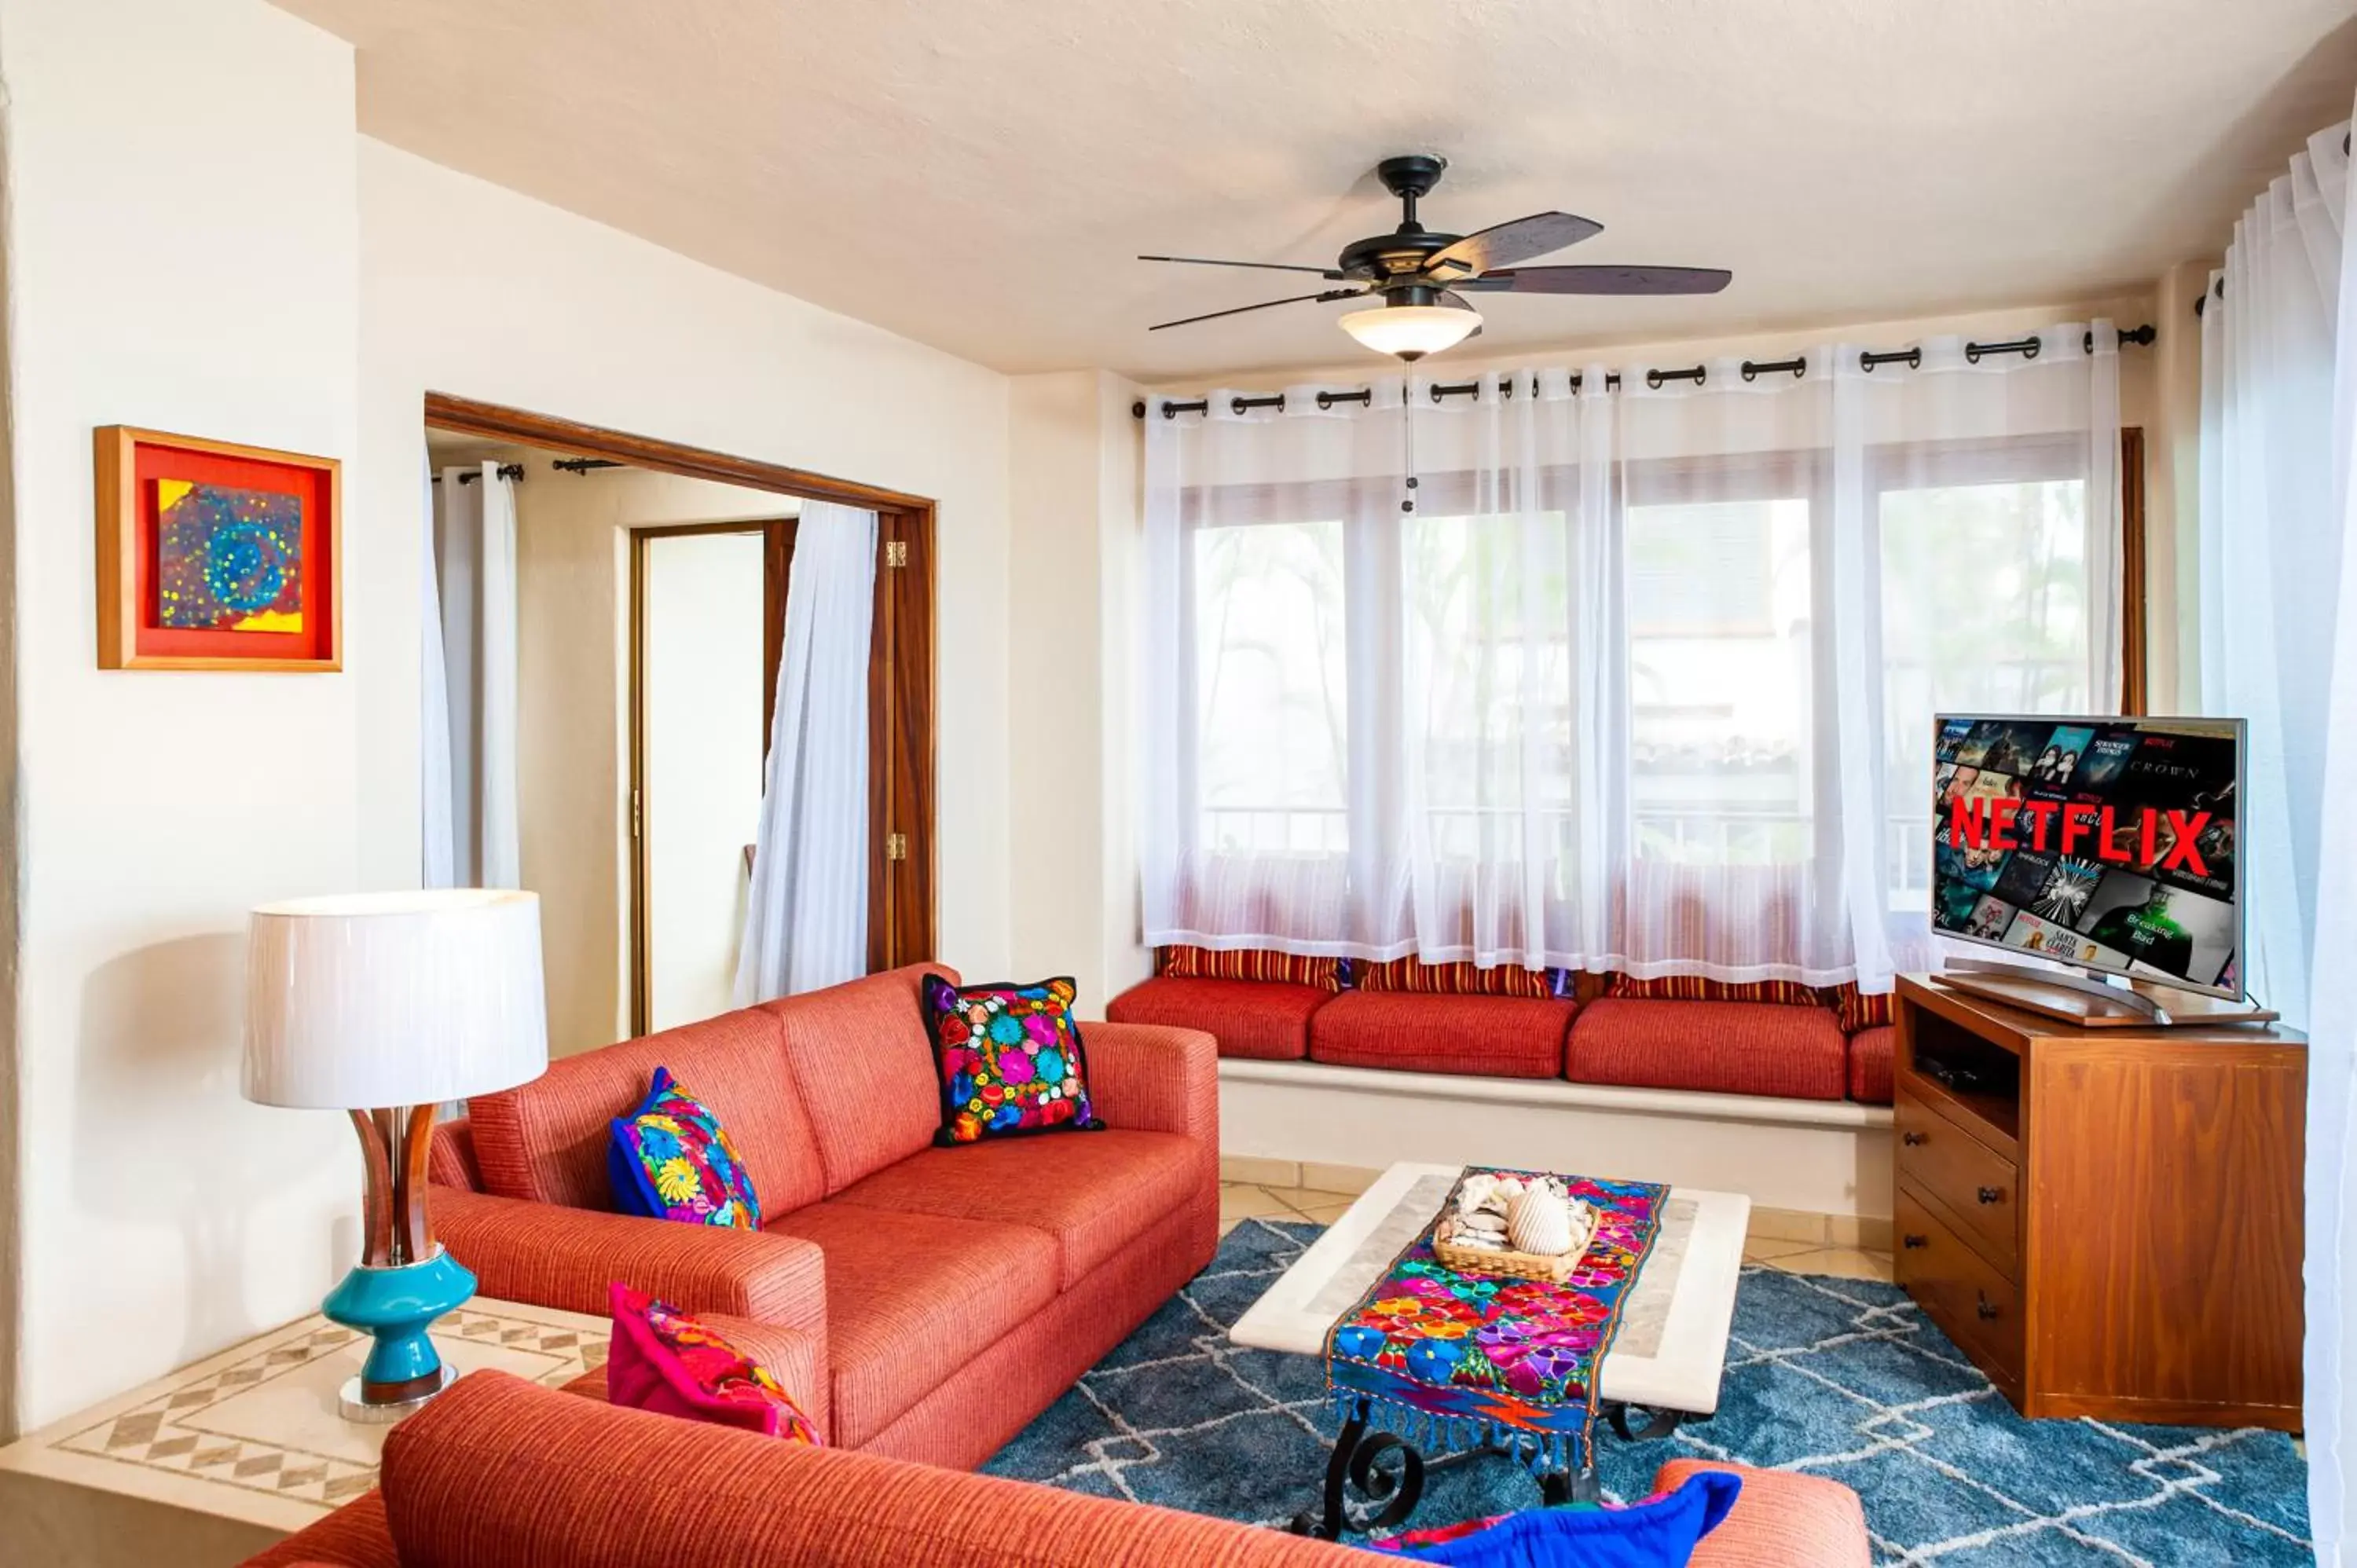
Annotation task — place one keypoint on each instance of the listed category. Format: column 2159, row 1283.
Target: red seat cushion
column 911, row 1298
column 1094, row 1192
column 1725, row 1047
column 1870, row 1065
column 1482, row 1037
column 1261, row 1018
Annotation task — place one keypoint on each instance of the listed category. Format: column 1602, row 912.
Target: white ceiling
column 977, row 174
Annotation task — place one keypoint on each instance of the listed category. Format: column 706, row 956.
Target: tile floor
column 1242, row 1200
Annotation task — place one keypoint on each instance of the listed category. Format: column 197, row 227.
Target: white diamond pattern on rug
column 1838, row 1377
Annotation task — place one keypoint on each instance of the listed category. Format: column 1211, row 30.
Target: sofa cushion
column 1261, row 1019
column 1783, row 1519
column 546, row 1141
column 863, row 1067
column 911, row 1298
column 1486, row 1037
column 1093, row 1195
column 1725, row 1047
column 1008, row 1061
column 1248, row 964
column 1870, row 1065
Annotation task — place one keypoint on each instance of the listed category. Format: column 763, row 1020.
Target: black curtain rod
column 507, row 471
column 2028, row 347
column 583, row 465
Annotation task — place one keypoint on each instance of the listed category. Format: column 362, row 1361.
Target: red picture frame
column 165, row 603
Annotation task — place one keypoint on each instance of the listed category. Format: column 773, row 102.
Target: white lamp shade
column 1410, row 330
column 367, row 1001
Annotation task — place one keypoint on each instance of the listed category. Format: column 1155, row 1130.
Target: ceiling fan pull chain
column 1408, row 417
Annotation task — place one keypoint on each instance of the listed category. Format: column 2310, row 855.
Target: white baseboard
column 1813, row 1155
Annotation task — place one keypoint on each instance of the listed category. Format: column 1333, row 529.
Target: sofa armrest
column 1152, row 1078
column 354, row 1536
column 567, row 1258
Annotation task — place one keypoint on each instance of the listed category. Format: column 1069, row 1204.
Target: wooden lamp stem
column 393, row 1149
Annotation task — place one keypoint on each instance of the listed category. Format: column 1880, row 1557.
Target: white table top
column 1672, row 1340
column 253, row 1433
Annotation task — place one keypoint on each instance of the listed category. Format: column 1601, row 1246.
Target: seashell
column 1475, row 1193
column 1487, row 1224
column 1540, row 1224
column 1509, row 1186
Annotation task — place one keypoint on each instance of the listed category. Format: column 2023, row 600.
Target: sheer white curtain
column 2279, row 648
column 806, row 914
column 470, row 815
column 1643, row 682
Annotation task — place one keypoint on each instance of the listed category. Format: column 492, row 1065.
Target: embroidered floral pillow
column 671, row 1159
column 1010, row 1059
column 663, row 1361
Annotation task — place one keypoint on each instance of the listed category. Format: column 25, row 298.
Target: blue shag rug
column 1837, row 1377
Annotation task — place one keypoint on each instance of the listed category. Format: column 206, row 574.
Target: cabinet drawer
column 1978, row 1186
column 1973, row 1304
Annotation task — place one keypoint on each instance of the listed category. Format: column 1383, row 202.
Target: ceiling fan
column 1422, row 274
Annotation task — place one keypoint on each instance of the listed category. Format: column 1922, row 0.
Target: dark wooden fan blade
column 1503, row 246
column 1263, row 266
column 1602, row 280
column 1264, row 305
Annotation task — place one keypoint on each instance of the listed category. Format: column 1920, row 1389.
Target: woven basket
column 1485, row 1260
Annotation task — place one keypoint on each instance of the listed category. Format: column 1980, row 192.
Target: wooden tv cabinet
column 2107, row 1221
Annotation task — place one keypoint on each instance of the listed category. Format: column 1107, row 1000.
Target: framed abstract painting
column 214, row 556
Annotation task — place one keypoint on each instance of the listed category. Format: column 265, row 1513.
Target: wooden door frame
column 902, row 823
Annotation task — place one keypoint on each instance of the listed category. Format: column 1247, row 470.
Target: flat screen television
column 2104, row 842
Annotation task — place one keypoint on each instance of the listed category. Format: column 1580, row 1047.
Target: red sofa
column 498, row 1473
column 1819, row 1045
column 933, row 1301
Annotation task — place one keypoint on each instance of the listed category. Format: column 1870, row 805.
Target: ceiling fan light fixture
column 1412, row 331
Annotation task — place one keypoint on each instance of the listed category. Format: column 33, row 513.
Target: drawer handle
column 1992, row 1194
column 1987, row 1308
column 1912, row 1243
column 1913, row 1140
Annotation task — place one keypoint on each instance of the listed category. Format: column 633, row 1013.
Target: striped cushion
column 1722, row 1048
column 1861, row 1011
column 1870, row 1065
column 1248, row 964
column 1261, row 1019
column 1459, row 979
column 1698, row 988
column 1484, row 1037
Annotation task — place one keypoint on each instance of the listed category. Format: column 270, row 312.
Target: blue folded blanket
column 1659, row 1532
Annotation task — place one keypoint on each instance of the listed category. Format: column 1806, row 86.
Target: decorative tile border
column 162, row 1440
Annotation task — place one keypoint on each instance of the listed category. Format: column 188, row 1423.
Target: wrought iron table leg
column 1660, row 1424
column 1356, row 1465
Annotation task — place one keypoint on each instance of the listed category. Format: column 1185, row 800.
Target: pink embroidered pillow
column 663, row 1361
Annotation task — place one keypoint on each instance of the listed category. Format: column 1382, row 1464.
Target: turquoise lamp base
column 404, row 1279
column 396, row 1305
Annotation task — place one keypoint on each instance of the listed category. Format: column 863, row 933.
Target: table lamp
column 386, row 1006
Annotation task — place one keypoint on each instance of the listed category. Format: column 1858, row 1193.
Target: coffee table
column 1666, row 1362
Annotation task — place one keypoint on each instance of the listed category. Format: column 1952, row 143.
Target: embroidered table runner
column 1456, row 1360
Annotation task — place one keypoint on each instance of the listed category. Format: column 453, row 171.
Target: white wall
column 470, row 289
column 1073, row 476
column 183, row 254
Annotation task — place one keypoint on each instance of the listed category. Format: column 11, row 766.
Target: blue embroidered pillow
column 1008, row 1057
column 671, row 1159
